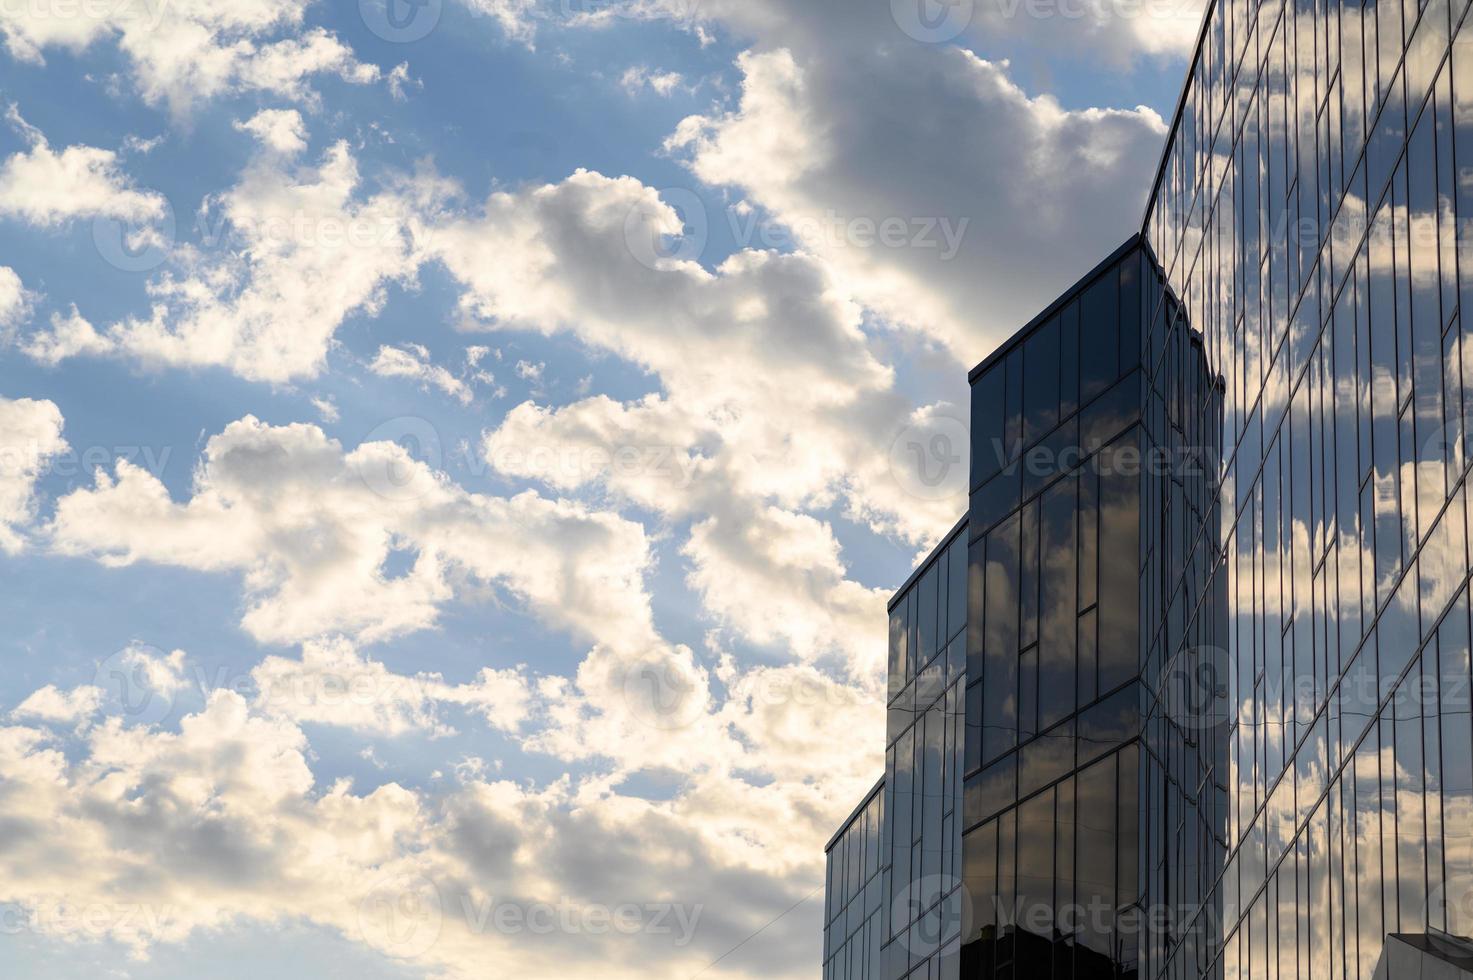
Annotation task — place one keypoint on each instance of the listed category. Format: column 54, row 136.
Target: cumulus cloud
column 307, row 250
column 281, row 130
column 185, row 52
column 312, row 526
column 70, row 335
column 413, row 361
column 60, row 707
column 772, row 402
column 45, row 187
column 30, row 434
column 873, row 164
column 16, row 302
column 332, row 683
column 640, row 77
column 223, row 822
column 517, row 19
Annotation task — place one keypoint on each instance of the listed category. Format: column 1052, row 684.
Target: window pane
column 1099, row 336
column 1041, row 382
column 1120, row 521
column 1000, row 691
column 1056, row 665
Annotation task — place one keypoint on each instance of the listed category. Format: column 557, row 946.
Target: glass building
column 1186, row 693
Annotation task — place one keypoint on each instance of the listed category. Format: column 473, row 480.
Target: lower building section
column 1434, row 956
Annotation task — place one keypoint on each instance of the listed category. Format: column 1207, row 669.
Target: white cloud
column 333, row 684
column 69, row 336
column 224, row 823
column 872, row 164
column 413, row 361
column 312, row 527
column 44, row 187
column 306, row 251
column 517, row 19
column 16, row 302
column 281, row 130
column 772, row 402
column 30, row 434
column 185, row 52
column 638, row 78
column 60, row 707
column 327, row 409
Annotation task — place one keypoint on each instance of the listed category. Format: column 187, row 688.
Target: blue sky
column 450, row 481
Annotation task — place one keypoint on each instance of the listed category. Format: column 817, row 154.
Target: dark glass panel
column 1013, row 411
column 1069, row 360
column 1028, row 694
column 1128, row 831
column 1007, row 878
column 1095, row 856
column 1111, row 414
column 1111, row 722
column 1041, row 382
column 926, row 614
column 898, row 637
column 1030, row 577
column 995, row 500
column 976, row 609
column 956, row 586
column 1051, row 458
column 1035, row 886
column 1130, row 311
column 1119, row 577
column 1046, row 758
column 956, row 658
column 991, row 791
column 1088, row 674
column 988, row 452
column 974, row 728
column 901, row 830
column 912, row 643
column 1000, row 691
column 979, row 856
column 1056, row 658
column 933, row 790
column 1099, row 335
column 1064, row 877
column 1089, row 536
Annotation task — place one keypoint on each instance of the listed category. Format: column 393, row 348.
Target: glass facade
column 881, row 922
column 1311, row 214
column 1187, row 692
column 854, row 890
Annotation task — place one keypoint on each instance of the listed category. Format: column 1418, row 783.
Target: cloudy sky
column 454, row 455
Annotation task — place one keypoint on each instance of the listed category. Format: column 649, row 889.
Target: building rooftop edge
column 1056, row 304
column 1181, row 103
column 931, row 556
column 879, row 785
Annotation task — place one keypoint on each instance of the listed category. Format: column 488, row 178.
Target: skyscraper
column 1210, row 659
